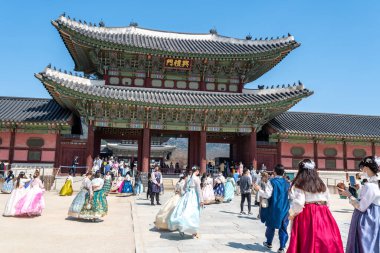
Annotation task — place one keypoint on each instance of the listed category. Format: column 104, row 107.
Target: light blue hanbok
column 186, row 215
column 229, row 189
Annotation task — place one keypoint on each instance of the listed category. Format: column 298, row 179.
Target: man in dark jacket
column 245, row 191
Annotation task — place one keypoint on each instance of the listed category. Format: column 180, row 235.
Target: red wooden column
column 190, row 151
column 373, row 148
column 90, row 146
column 12, row 147
column 145, row 154
column 252, row 147
column 57, row 159
column 279, row 152
column 97, row 143
column 202, row 151
column 315, row 148
column 345, row 167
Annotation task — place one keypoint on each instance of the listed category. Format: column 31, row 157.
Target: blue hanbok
column 364, row 233
column 229, row 189
column 186, row 215
column 8, row 184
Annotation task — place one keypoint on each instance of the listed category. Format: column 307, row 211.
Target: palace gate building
column 141, row 84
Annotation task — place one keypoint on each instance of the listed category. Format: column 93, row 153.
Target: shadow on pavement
column 84, row 221
column 250, row 247
column 343, row 211
column 171, row 235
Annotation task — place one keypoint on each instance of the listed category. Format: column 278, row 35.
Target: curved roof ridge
column 167, row 34
column 333, row 114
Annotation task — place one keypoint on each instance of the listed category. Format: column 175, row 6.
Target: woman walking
column 8, row 183
column 126, row 187
column 229, row 192
column 33, row 202
column 96, row 205
column 18, row 193
column 314, row 228
column 186, row 215
column 208, row 191
column 364, row 233
column 167, row 209
column 107, row 182
column 79, row 201
column 67, row 188
column 138, row 184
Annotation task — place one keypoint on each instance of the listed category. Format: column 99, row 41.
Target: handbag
column 264, row 203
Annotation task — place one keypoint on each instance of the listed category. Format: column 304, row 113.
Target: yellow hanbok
column 67, row 188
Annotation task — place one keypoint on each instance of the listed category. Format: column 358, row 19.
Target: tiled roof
column 27, row 110
column 211, row 43
column 53, row 79
column 327, row 124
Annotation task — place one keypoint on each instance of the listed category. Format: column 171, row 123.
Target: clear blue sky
column 338, row 59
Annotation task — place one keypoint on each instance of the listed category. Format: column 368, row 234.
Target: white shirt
column 369, row 194
column 300, row 198
column 267, row 193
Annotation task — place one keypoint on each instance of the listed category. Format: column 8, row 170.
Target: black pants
column 152, row 195
column 73, row 169
column 243, row 197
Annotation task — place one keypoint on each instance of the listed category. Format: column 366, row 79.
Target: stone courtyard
column 129, row 227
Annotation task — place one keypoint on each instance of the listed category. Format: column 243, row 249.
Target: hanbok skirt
column 229, row 192
column 32, row 203
column 364, row 233
column 67, row 189
column 115, row 187
column 107, row 186
column 162, row 217
column 219, row 192
column 77, row 204
column 99, row 206
column 315, row 230
column 10, row 206
column 208, row 194
column 126, row 187
column 7, row 187
column 186, row 215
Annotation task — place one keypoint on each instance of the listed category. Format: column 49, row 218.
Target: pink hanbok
column 33, row 202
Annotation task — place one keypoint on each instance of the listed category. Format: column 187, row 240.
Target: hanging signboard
column 173, row 63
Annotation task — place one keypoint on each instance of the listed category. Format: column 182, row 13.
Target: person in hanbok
column 314, row 228
column 18, row 192
column 364, row 233
column 229, row 189
column 116, row 184
column 67, row 188
column 79, row 201
column 33, row 203
column 96, row 206
column 219, row 188
column 107, row 183
column 162, row 217
column 138, row 184
column 275, row 214
column 8, row 183
column 126, row 186
column 208, row 191
column 186, row 215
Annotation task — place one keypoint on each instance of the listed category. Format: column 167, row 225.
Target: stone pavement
column 53, row 232
column 128, row 227
column 222, row 229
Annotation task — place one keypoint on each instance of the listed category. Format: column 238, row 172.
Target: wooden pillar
column 315, row 148
column 345, row 167
column 373, row 148
column 145, row 154
column 97, row 143
column 252, row 142
column 190, row 151
column 90, row 146
column 12, row 147
column 202, row 151
column 139, row 153
column 57, row 160
column 279, row 152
